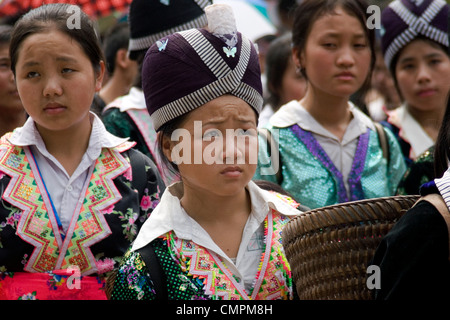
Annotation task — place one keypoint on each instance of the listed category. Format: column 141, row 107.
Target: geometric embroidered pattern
column 273, row 279
column 38, row 225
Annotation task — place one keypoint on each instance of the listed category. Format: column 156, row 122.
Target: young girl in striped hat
column 415, row 47
column 215, row 234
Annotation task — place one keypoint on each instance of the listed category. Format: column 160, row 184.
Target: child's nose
column 423, row 74
column 346, row 58
column 52, row 87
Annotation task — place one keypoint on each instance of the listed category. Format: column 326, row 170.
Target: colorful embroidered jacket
column 310, row 176
column 194, row 272
column 108, row 218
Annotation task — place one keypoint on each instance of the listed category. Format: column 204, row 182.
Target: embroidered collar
column 294, row 113
column 88, row 225
column 169, row 214
column 28, row 135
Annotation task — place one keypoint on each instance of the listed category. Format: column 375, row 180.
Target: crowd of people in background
column 87, row 120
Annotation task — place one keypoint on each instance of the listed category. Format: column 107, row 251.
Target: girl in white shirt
column 73, row 195
column 329, row 151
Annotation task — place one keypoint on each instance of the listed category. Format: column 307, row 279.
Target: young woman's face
column 221, row 146
column 423, row 75
column 56, row 80
column 9, row 97
column 337, row 55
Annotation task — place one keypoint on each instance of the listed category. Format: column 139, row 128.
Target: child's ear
column 99, row 74
column 167, row 146
column 296, row 57
column 122, row 59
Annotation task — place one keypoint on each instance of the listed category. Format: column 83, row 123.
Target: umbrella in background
column 94, row 8
column 250, row 18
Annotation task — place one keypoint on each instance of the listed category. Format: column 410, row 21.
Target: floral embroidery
column 29, row 296
column 129, row 227
column 36, row 224
column 195, row 273
column 55, row 281
column 108, row 210
column 105, row 265
column 148, row 204
column 128, row 173
column 12, row 219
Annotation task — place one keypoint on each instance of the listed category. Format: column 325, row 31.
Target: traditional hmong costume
column 197, row 269
column 210, row 63
column 319, row 170
column 404, row 21
column 53, row 226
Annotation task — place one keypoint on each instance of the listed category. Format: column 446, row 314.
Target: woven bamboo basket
column 330, row 248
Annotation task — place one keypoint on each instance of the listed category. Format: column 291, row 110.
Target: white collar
column 135, row 99
column 28, row 135
column 295, row 113
column 169, row 215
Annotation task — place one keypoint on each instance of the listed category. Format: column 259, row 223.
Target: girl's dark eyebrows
column 334, row 34
column 428, row 56
column 66, row 59
column 33, row 63
column 30, row 64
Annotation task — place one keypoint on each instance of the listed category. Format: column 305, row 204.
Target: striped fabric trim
column 443, row 185
column 416, row 25
column 147, row 41
column 229, row 81
column 203, row 3
column 207, row 52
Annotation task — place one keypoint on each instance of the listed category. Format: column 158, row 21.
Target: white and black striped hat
column 151, row 20
column 405, row 20
column 187, row 69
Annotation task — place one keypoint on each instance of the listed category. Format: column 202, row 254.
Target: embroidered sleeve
column 133, row 280
column 286, row 198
